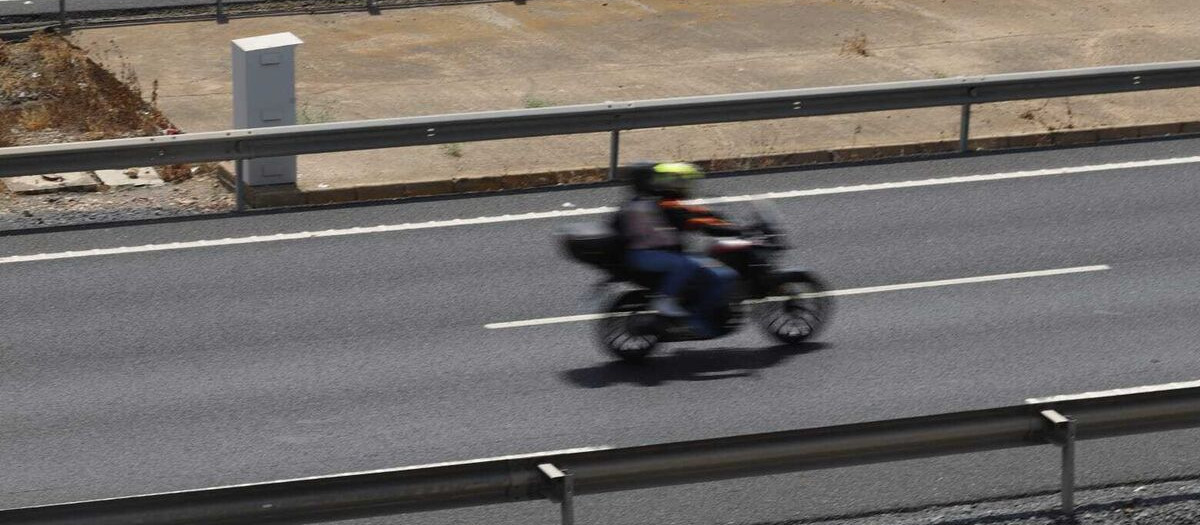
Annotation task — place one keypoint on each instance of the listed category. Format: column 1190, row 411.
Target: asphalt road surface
column 201, row 364
column 35, row 7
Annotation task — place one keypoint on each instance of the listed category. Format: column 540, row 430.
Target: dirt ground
column 505, row 55
column 51, row 92
column 554, row 53
column 198, row 195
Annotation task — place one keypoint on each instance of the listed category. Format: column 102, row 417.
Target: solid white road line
column 578, row 450
column 831, row 293
column 956, row 180
column 298, row 235
column 594, row 211
column 553, row 320
column 1116, row 392
column 968, row 280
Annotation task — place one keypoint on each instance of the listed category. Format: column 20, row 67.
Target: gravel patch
column 52, row 92
column 202, row 194
column 1158, row 503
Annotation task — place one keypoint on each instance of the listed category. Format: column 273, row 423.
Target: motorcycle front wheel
column 628, row 331
column 795, row 309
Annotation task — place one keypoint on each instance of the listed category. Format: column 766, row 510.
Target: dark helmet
column 665, row 179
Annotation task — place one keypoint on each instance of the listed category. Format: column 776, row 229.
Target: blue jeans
column 678, row 268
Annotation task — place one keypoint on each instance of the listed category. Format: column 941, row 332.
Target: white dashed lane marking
column 832, row 293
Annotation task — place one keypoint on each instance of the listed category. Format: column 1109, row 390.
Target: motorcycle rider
column 652, row 224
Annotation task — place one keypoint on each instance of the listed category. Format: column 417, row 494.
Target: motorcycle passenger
column 652, row 223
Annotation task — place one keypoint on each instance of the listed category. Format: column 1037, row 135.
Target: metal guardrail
column 561, row 477
column 86, row 15
column 612, row 117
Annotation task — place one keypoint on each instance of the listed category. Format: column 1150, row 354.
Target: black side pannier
column 594, row 243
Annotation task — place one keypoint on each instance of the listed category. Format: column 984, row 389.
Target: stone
column 1035, row 140
column 55, row 182
column 331, row 195
column 1117, row 133
column 1076, row 137
column 132, row 177
column 274, row 195
column 477, row 184
column 1159, row 130
column 381, row 191
column 583, row 176
column 429, row 188
column 1189, row 127
column 529, row 180
column 988, row 143
column 808, row 157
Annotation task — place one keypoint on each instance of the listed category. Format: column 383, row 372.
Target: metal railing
column 610, row 117
column 88, row 16
column 560, row 477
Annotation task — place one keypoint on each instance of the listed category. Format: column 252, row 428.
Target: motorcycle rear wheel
column 628, row 331
column 794, row 310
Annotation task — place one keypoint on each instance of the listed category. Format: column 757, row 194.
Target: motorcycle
column 792, row 305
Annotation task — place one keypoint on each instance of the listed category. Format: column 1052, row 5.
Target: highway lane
column 178, row 369
column 43, row 7
column 35, row 7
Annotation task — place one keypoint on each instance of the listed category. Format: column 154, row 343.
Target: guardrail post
column 372, row 8
column 221, row 18
column 614, row 154
column 62, row 15
column 965, row 131
column 239, row 184
column 1063, row 435
column 562, row 490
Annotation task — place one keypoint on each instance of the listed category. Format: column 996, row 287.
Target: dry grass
column 1048, row 118
column 7, row 121
column 57, row 87
column 175, row 172
column 856, row 45
column 51, row 90
column 35, row 118
column 6, row 116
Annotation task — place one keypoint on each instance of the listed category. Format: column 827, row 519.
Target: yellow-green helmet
column 664, row 179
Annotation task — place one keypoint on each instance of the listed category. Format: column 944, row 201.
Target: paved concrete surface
column 133, row 177
column 333, row 354
column 50, row 183
column 203, row 193
column 552, row 52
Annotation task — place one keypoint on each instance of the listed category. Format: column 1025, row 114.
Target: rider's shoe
column 669, row 307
